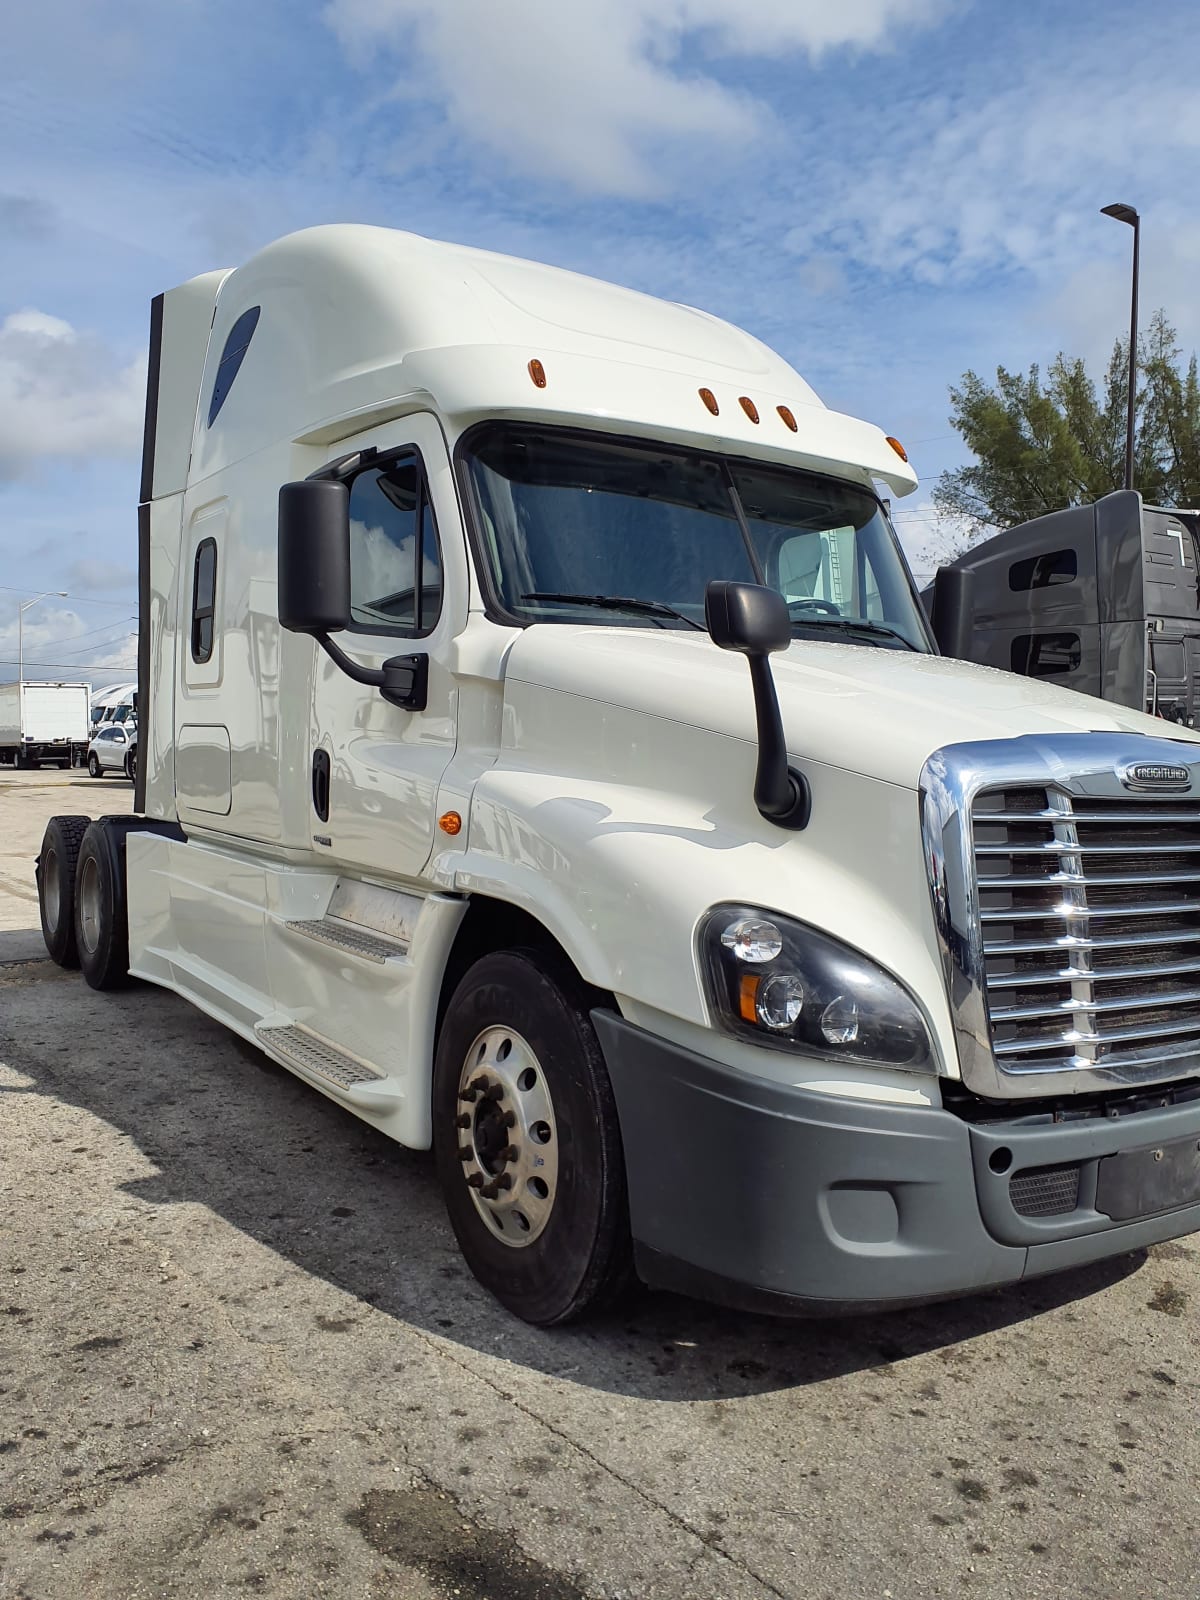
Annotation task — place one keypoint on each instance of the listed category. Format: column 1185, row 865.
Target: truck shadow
column 228, row 1130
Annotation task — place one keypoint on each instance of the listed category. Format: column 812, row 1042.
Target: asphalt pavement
column 239, row 1355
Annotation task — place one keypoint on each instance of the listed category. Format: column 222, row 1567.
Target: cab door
column 375, row 766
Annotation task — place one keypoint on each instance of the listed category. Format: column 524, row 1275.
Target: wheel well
column 491, row 925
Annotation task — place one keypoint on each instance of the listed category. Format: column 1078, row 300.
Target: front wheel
column 93, row 766
column 526, row 1140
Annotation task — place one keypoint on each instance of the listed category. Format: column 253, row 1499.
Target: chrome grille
column 1090, row 920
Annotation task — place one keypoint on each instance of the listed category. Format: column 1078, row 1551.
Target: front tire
column 526, row 1140
column 93, row 766
column 101, row 915
column 55, row 873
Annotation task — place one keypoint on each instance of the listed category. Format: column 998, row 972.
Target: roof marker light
column 748, row 407
column 898, row 447
column 710, row 400
column 786, row 413
column 538, row 373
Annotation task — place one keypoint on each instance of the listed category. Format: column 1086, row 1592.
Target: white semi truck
column 840, row 975
column 44, row 724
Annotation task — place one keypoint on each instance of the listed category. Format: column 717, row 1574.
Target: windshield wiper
column 616, row 602
column 847, row 626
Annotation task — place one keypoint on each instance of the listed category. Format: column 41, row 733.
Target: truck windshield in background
column 570, row 525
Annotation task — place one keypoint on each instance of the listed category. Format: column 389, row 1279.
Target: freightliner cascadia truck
column 544, row 754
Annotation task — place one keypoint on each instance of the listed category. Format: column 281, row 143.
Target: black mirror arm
column 781, row 793
column 404, row 680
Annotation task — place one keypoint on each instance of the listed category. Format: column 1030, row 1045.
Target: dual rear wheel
column 81, row 897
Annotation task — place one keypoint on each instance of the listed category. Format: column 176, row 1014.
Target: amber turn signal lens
column 450, row 822
column 898, row 448
column 538, row 373
column 710, row 400
column 789, row 419
column 748, row 995
column 748, row 407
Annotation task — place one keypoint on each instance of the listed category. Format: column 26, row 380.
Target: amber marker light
column 898, row 448
column 450, row 822
column 748, row 407
column 748, row 995
column 710, row 400
column 788, row 419
column 538, row 373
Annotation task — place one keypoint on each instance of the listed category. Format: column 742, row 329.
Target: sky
column 889, row 192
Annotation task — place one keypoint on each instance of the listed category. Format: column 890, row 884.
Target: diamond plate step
column 317, row 1057
column 344, row 936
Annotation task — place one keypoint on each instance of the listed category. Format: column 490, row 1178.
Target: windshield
column 572, row 526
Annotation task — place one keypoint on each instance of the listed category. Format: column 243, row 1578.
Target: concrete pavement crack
column 704, row 1537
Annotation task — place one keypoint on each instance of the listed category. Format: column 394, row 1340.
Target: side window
column 1045, row 655
column 204, row 599
column 395, row 559
column 232, row 357
column 1041, row 571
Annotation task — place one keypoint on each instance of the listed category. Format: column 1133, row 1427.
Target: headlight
column 780, row 983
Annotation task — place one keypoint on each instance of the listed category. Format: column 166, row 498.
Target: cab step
column 328, row 1066
column 357, row 941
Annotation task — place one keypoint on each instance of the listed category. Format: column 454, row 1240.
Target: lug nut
column 464, row 1121
column 510, row 1154
column 504, row 1181
column 475, row 1180
column 493, row 1091
column 465, row 1152
column 509, row 1119
column 469, row 1093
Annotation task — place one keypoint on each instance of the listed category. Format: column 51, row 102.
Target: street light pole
column 1129, row 215
column 58, row 594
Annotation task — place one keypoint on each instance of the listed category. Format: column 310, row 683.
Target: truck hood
column 875, row 711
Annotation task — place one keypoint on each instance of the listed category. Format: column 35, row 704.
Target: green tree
column 1042, row 444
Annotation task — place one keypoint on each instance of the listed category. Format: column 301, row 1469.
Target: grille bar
column 1040, row 847
column 1171, row 908
column 1132, row 815
column 1131, row 1002
column 1070, row 942
column 1088, row 966
column 1157, row 969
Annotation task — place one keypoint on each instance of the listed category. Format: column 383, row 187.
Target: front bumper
column 781, row 1199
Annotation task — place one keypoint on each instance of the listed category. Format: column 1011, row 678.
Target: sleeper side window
column 1044, row 570
column 204, row 599
column 395, row 558
column 232, row 357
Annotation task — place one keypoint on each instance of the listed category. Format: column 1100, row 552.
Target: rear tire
column 55, row 874
column 131, row 766
column 549, row 1252
column 93, row 766
column 101, row 914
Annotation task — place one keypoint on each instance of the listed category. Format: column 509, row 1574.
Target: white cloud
column 63, row 393
column 591, row 91
column 60, row 643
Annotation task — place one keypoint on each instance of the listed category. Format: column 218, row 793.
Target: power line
column 53, row 644
column 86, row 599
column 96, row 666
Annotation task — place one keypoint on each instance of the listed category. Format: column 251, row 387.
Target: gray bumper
column 780, row 1199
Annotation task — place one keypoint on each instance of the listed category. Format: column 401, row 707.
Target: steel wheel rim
column 51, row 880
column 89, row 905
column 507, row 1136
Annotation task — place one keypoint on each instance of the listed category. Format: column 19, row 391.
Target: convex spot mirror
column 314, row 556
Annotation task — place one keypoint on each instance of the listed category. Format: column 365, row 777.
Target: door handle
column 320, row 784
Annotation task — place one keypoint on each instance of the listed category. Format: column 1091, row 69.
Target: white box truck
column 840, row 975
column 43, row 724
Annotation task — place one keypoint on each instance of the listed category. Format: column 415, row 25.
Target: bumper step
column 364, row 942
column 328, row 1066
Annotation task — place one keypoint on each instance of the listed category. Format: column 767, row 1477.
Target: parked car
column 114, row 749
